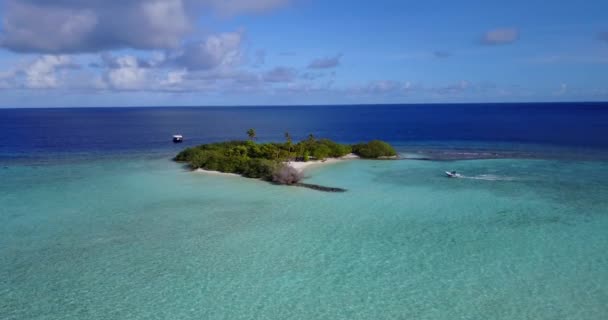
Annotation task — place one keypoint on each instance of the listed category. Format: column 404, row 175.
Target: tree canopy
column 263, row 160
column 374, row 149
column 251, row 134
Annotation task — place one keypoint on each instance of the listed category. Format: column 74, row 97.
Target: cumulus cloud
column 110, row 61
column 71, row 26
column 92, row 25
column 325, row 63
column 127, row 74
column 42, row 73
column 179, row 58
column 216, row 50
column 174, row 78
column 500, row 36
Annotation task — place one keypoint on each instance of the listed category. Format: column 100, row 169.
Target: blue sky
column 277, row 52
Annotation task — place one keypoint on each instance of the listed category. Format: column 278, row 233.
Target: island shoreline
column 301, row 166
column 279, row 163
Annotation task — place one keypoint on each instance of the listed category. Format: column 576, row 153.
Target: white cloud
column 92, row 25
column 96, row 25
column 176, row 62
column 27, row 25
column 42, row 73
column 222, row 49
column 128, row 75
column 174, row 78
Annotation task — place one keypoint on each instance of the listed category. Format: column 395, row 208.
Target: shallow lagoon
column 141, row 238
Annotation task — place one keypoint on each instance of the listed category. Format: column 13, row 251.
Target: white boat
column 178, row 138
column 453, row 174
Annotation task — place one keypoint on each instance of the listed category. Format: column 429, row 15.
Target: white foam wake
column 490, row 177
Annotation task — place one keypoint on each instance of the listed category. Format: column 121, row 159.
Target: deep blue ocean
column 39, row 132
column 97, row 222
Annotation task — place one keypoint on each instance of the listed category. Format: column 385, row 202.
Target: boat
column 178, row 138
column 453, row 174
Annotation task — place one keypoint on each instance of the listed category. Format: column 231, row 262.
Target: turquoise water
column 143, row 238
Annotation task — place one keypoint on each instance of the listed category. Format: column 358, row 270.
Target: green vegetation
column 243, row 157
column 251, row 134
column 374, row 149
column 263, row 160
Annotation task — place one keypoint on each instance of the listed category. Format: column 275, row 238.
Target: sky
column 89, row 53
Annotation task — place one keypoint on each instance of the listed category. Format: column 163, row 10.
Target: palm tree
column 251, row 134
column 289, row 141
column 288, row 137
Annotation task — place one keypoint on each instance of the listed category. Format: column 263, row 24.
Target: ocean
column 97, row 222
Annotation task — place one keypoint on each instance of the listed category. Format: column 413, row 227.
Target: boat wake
column 489, row 177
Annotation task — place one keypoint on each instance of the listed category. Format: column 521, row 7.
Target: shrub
column 286, row 175
column 259, row 169
column 321, row 151
column 374, row 149
column 336, row 150
column 185, row 155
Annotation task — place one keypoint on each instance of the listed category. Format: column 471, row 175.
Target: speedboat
column 453, row 174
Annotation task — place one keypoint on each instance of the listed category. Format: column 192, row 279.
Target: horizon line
column 307, row 105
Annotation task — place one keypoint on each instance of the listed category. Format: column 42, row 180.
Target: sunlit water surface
column 142, row 238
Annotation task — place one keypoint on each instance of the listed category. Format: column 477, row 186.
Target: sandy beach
column 298, row 165
column 301, row 166
column 217, row 173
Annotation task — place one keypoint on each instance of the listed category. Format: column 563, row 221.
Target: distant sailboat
column 178, row 138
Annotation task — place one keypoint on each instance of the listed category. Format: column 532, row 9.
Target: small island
column 278, row 162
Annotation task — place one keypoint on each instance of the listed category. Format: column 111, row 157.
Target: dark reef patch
column 319, row 188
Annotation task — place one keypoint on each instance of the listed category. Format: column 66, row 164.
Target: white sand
column 301, row 166
column 218, row 173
